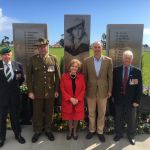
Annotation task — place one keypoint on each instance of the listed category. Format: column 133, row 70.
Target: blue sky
column 52, row 12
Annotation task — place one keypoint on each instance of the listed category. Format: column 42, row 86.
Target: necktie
column 125, row 79
column 8, row 74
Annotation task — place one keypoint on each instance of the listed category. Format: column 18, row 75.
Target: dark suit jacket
column 11, row 88
column 133, row 90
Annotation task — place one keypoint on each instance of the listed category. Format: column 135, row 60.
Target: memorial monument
column 25, row 35
column 76, row 37
column 121, row 37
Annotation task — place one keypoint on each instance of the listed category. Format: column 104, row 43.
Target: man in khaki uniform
column 43, row 83
column 98, row 73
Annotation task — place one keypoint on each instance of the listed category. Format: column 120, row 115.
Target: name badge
column 51, row 68
column 1, row 68
column 133, row 82
column 18, row 76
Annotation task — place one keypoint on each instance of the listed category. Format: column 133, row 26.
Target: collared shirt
column 97, row 64
column 124, row 71
column 10, row 66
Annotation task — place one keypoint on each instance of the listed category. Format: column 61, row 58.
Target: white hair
column 128, row 53
column 98, row 42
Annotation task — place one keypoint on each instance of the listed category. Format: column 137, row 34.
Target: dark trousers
column 14, row 118
column 42, row 114
column 125, row 114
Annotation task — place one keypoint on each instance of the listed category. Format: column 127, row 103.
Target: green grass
column 59, row 53
column 146, row 68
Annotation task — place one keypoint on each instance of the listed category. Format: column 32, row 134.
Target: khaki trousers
column 42, row 114
column 101, row 109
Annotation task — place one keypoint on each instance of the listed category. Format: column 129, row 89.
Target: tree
column 61, row 41
column 5, row 41
column 103, row 40
column 145, row 45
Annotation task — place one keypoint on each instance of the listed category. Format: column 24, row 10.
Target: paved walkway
column 142, row 142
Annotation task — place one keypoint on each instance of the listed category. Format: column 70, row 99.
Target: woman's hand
column 74, row 101
column 31, row 96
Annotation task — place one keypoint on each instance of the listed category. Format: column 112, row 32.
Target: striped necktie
column 8, row 74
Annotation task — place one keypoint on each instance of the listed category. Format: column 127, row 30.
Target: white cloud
column 147, row 31
column 5, row 22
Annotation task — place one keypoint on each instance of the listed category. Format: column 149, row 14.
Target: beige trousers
column 101, row 109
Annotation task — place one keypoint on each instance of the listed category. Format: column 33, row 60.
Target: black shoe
column 131, row 140
column 117, row 138
column 75, row 137
column 50, row 136
column 101, row 137
column 89, row 135
column 68, row 137
column 35, row 137
column 2, row 143
column 20, row 139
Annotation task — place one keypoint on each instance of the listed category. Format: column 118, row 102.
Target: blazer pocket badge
column 51, row 68
column 18, row 76
column 133, row 82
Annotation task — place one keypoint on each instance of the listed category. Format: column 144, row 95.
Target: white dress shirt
column 10, row 66
column 97, row 64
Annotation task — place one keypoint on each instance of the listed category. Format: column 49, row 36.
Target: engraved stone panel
column 25, row 35
column 121, row 37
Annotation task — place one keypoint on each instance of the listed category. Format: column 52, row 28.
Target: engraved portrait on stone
column 77, row 30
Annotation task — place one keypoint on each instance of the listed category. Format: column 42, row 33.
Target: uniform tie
column 125, row 79
column 8, row 73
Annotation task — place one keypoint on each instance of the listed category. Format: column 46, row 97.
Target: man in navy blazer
column 127, row 91
column 11, row 77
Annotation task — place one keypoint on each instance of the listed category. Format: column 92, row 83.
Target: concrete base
column 60, row 143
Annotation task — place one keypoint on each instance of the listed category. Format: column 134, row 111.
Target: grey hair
column 97, row 42
column 128, row 53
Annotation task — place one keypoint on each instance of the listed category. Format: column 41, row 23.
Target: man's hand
column 56, row 94
column 135, row 104
column 109, row 94
column 31, row 96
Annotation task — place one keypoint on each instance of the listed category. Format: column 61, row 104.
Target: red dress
column 69, row 111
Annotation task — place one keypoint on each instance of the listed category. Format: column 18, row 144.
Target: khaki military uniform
column 43, row 80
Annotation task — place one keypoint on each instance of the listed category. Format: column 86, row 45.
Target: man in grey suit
column 98, row 73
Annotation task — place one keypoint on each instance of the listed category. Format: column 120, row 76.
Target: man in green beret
column 43, row 83
column 11, row 77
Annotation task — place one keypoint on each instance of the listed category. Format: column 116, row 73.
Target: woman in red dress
column 73, row 90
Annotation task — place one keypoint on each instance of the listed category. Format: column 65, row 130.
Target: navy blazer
column 11, row 88
column 134, row 85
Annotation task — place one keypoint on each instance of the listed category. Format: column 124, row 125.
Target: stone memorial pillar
column 25, row 35
column 121, row 37
column 76, row 37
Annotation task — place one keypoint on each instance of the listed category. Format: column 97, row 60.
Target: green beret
column 42, row 41
column 5, row 50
